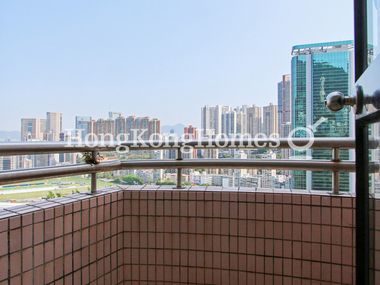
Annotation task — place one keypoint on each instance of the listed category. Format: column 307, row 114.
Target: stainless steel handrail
column 15, row 176
column 22, row 175
column 8, row 149
column 334, row 165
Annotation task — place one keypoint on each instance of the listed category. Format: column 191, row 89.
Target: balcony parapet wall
column 200, row 235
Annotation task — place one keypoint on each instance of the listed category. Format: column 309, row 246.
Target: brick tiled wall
column 77, row 240
column 180, row 237
column 222, row 237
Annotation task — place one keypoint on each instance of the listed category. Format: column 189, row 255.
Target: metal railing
column 335, row 165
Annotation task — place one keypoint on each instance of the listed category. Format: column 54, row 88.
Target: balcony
column 192, row 235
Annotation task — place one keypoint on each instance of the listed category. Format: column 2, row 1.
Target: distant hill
column 178, row 129
column 9, row 136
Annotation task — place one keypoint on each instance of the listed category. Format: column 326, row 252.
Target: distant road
column 8, row 204
column 19, row 191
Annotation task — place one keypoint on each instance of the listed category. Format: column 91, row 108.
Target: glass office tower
column 317, row 70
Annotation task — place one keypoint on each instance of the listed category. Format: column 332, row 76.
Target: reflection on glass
column 374, row 193
column 374, row 158
column 373, row 20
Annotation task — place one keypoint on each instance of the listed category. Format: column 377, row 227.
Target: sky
column 159, row 58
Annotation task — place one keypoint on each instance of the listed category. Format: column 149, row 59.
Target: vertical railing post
column 93, row 175
column 179, row 170
column 335, row 174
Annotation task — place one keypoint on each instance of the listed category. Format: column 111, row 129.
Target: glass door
column 367, row 129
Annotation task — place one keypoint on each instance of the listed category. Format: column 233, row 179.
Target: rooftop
column 322, row 47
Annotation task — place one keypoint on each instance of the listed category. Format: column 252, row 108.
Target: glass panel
column 374, row 205
column 373, row 20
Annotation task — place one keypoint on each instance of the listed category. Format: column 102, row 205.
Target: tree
column 107, row 175
column 165, row 182
column 130, row 179
column 50, row 195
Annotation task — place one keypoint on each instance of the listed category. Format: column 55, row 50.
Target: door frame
column 362, row 201
column 360, row 37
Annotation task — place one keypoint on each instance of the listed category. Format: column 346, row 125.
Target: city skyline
column 113, row 115
column 317, row 70
column 185, row 54
column 246, row 119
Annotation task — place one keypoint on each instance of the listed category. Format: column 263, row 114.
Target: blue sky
column 162, row 58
